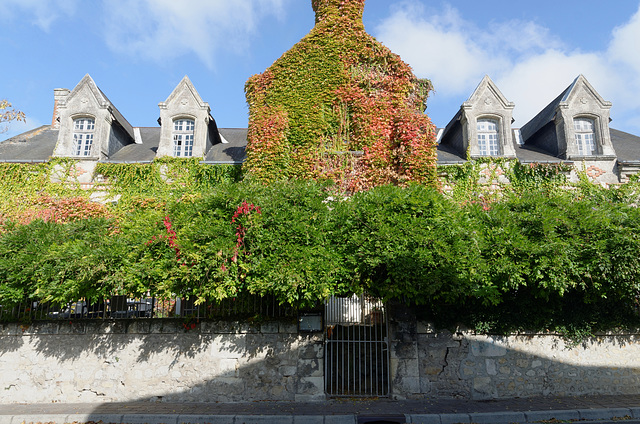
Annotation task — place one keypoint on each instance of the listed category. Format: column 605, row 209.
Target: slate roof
column 544, row 117
column 233, row 151
column 38, row 144
column 144, row 152
column 117, row 115
column 32, row 146
column 528, row 153
column 627, row 146
column 447, row 155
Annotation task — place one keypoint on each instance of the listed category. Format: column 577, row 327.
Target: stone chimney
column 59, row 96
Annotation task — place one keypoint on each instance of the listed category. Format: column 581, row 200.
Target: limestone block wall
column 158, row 360
column 426, row 363
column 143, row 360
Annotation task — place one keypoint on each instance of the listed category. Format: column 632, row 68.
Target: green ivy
column 340, row 93
column 539, row 259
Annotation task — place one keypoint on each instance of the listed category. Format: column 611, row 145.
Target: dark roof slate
column 447, row 155
column 627, row 146
column 544, row 117
column 231, row 152
column 32, row 146
column 144, row 152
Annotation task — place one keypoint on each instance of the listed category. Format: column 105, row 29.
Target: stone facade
column 185, row 103
column 158, row 360
column 429, row 364
column 487, row 102
column 144, row 360
column 572, row 130
column 111, row 132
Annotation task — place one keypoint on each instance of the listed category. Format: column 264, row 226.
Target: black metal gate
column 356, row 347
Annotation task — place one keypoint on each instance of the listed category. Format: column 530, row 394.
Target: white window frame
column 488, row 137
column 183, row 134
column 585, row 134
column 83, row 132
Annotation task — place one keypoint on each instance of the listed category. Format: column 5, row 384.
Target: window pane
column 183, row 137
column 77, row 139
column 493, row 144
column 585, row 136
column 488, row 139
column 482, row 144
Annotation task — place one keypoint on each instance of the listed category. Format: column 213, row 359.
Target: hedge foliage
column 539, row 258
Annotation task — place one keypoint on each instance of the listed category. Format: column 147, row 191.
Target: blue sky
column 138, row 50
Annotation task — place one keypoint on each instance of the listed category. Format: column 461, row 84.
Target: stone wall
column 425, row 363
column 130, row 360
column 158, row 360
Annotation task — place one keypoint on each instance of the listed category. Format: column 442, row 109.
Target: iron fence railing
column 124, row 307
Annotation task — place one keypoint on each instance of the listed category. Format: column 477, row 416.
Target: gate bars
column 356, row 347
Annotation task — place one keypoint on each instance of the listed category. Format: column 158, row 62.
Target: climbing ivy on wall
column 52, row 191
column 487, row 179
column 165, row 176
column 338, row 91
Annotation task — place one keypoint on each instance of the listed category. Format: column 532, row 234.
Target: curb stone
column 455, row 418
column 603, row 414
column 83, row 418
column 340, row 419
column 264, row 419
column 209, row 419
column 565, row 414
column 308, row 419
column 149, row 419
column 424, row 419
column 497, row 417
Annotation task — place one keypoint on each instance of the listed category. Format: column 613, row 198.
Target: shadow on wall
column 158, row 360
column 470, row 366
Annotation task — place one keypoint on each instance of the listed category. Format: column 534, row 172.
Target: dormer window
column 488, row 140
column 584, row 129
column 83, row 129
column 183, row 130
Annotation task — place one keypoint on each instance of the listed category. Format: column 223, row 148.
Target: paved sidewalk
column 599, row 409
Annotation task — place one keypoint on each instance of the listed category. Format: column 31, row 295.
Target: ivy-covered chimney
column 351, row 9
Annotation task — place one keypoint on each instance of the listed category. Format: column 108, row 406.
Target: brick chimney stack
column 59, row 95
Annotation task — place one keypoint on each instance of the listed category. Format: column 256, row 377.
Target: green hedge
column 539, row 259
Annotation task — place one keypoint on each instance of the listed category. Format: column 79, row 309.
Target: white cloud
column 436, row 48
column 534, row 82
column 625, row 46
column 623, row 56
column 529, row 64
column 453, row 52
column 166, row 29
column 41, row 13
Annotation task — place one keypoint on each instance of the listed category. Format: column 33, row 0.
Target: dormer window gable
column 90, row 126
column 185, row 122
column 574, row 126
column 482, row 127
